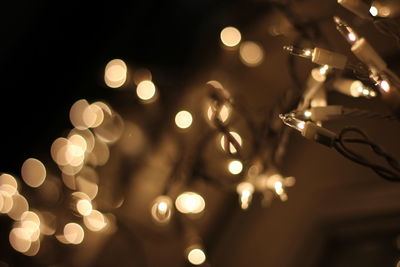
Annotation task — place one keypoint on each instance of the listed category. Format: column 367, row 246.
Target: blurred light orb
column 190, row 202
column 161, row 209
column 20, row 239
column 74, row 233
column 230, row 36
column 232, row 148
column 115, row 73
column 146, row 90
column 183, row 119
column 95, row 221
column 235, row 167
column 8, row 184
column 33, row 172
column 93, row 116
column 84, row 207
column 251, row 54
column 373, row 11
column 196, row 256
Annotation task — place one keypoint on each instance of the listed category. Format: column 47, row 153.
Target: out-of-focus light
column 146, row 90
column 8, row 184
column 76, row 114
column 196, row 256
column 7, row 202
column 245, row 191
column 232, row 148
column 115, row 73
column 20, row 239
column 317, row 75
column 87, row 135
column 183, row 119
column 111, row 128
column 352, row 36
column 74, row 233
column 87, row 186
column 20, row 205
column 251, row 54
column 373, row 11
column 307, row 114
column 141, row 75
column 95, row 221
column 33, row 172
column 31, row 221
column 33, row 249
column 301, row 125
column 230, row 36
column 323, row 70
column 161, row 210
column 58, row 151
column 100, row 154
column 84, row 207
column 235, row 167
column 384, row 85
column 223, row 115
column 190, row 202
column 93, row 116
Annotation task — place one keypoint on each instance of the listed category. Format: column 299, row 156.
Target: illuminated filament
column 345, row 30
column 291, row 121
column 245, row 191
column 161, row 210
column 296, row 51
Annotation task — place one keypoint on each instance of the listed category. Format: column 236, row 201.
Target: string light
column 235, row 167
column 225, row 143
column 245, row 191
column 74, row 233
column 146, row 90
column 161, row 209
column 251, row 53
column 230, row 36
column 183, row 119
column 196, row 255
column 190, row 202
column 115, row 73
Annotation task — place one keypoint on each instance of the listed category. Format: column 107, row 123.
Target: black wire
column 341, row 145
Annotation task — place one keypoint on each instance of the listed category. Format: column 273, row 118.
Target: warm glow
column 115, row 73
column 323, row 69
column 84, row 207
column 245, row 191
column 7, row 202
column 76, row 114
column 251, row 54
column 20, row 239
column 93, row 116
column 230, row 36
column 111, row 128
column 183, row 119
column 161, row 209
column 74, row 233
column 87, row 186
column 141, row 75
column 223, row 115
column 33, row 249
column 373, row 11
column 352, row 37
column 232, row 148
column 20, row 205
column 317, row 75
column 384, row 85
column 235, row 167
column 196, row 256
column 33, row 172
column 190, row 202
column 95, row 221
column 8, row 184
column 301, row 125
column 146, row 90
column 307, row 114
column 58, row 151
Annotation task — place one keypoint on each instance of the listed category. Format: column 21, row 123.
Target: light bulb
column 373, row 11
column 196, row 255
column 161, row 210
column 183, row 119
column 146, row 90
column 245, row 191
column 345, row 30
column 230, row 36
column 190, row 202
column 290, row 120
column 307, row 114
column 296, row 51
column 232, row 148
column 384, row 85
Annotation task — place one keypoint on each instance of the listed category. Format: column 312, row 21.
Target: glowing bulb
column 296, row 51
column 323, row 70
column 384, row 85
column 307, row 114
column 232, row 148
column 161, row 210
column 115, row 73
column 74, row 233
column 291, row 121
column 235, row 167
column 345, row 30
column 84, row 207
column 230, row 36
column 373, row 11
column 245, row 191
column 196, row 256
column 251, row 54
column 190, row 202
column 19, row 239
column 95, row 221
column 146, row 90
column 183, row 119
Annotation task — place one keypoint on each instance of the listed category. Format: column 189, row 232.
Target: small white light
column 373, row 11
column 235, row 167
column 307, row 113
